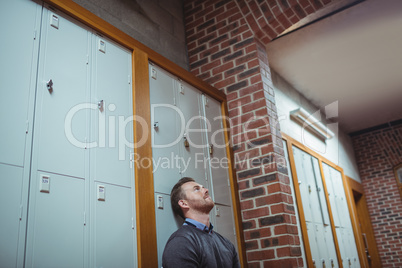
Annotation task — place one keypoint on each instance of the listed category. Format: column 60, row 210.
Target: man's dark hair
column 178, row 194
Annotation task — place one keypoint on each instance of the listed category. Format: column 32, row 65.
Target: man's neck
column 202, row 218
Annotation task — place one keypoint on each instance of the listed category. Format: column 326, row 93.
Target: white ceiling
column 353, row 56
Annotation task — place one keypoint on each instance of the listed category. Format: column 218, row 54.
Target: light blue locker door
column 315, row 251
column 113, row 220
column 167, row 129
column 56, row 229
column 216, row 152
column 57, row 204
column 315, row 209
column 304, row 186
column 224, row 222
column 320, row 191
column 332, row 195
column 112, row 120
column 18, row 54
column 340, row 210
column 193, row 142
column 114, row 241
column 10, row 208
column 167, row 222
column 62, row 111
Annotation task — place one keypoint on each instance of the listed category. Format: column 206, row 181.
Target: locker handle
column 211, row 149
column 100, row 105
column 49, row 85
column 186, row 143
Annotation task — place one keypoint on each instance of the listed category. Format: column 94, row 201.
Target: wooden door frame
column 357, row 188
column 349, row 185
column 144, row 184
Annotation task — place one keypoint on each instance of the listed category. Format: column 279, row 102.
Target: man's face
column 197, row 197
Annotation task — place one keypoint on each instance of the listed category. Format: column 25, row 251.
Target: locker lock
column 323, row 263
column 156, row 125
column 211, row 149
column 100, row 105
column 332, row 263
column 186, row 143
column 49, row 85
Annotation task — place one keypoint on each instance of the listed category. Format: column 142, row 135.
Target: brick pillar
column 226, row 48
column 378, row 152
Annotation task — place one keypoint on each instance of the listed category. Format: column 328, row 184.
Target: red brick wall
column 377, row 153
column 226, row 46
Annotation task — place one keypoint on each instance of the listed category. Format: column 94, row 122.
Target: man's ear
column 183, row 203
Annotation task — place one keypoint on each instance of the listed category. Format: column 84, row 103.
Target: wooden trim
column 302, row 218
column 94, row 22
column 234, row 188
column 398, row 183
column 145, row 207
column 364, row 222
column 354, row 185
column 144, row 190
column 349, row 184
column 310, row 151
column 292, row 142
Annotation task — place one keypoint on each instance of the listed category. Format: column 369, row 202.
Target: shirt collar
column 199, row 225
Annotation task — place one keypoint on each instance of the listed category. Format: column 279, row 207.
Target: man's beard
column 204, row 206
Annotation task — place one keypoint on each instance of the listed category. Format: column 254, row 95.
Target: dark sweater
column 192, row 247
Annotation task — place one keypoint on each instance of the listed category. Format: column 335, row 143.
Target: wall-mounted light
column 311, row 123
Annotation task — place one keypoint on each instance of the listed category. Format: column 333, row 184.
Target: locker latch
column 156, row 125
column 211, row 149
column 323, row 263
column 314, row 263
column 100, row 105
column 49, row 85
column 186, row 143
column 332, row 263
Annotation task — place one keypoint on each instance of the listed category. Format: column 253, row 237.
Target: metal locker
column 304, row 186
column 223, row 220
column 18, row 53
column 193, row 142
column 292, row 187
column 114, row 242
column 55, row 236
column 11, row 213
column 312, row 239
column 320, row 191
column 62, row 114
column 330, row 247
column 112, row 121
column 216, row 151
column 314, row 201
column 167, row 130
column 169, row 222
column 332, row 195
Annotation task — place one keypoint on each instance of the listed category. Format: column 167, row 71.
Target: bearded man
column 195, row 244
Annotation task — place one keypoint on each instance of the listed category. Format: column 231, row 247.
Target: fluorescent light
column 311, row 123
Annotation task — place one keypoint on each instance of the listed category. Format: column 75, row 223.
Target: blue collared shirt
column 199, row 225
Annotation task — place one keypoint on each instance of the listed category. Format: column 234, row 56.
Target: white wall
column 338, row 150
